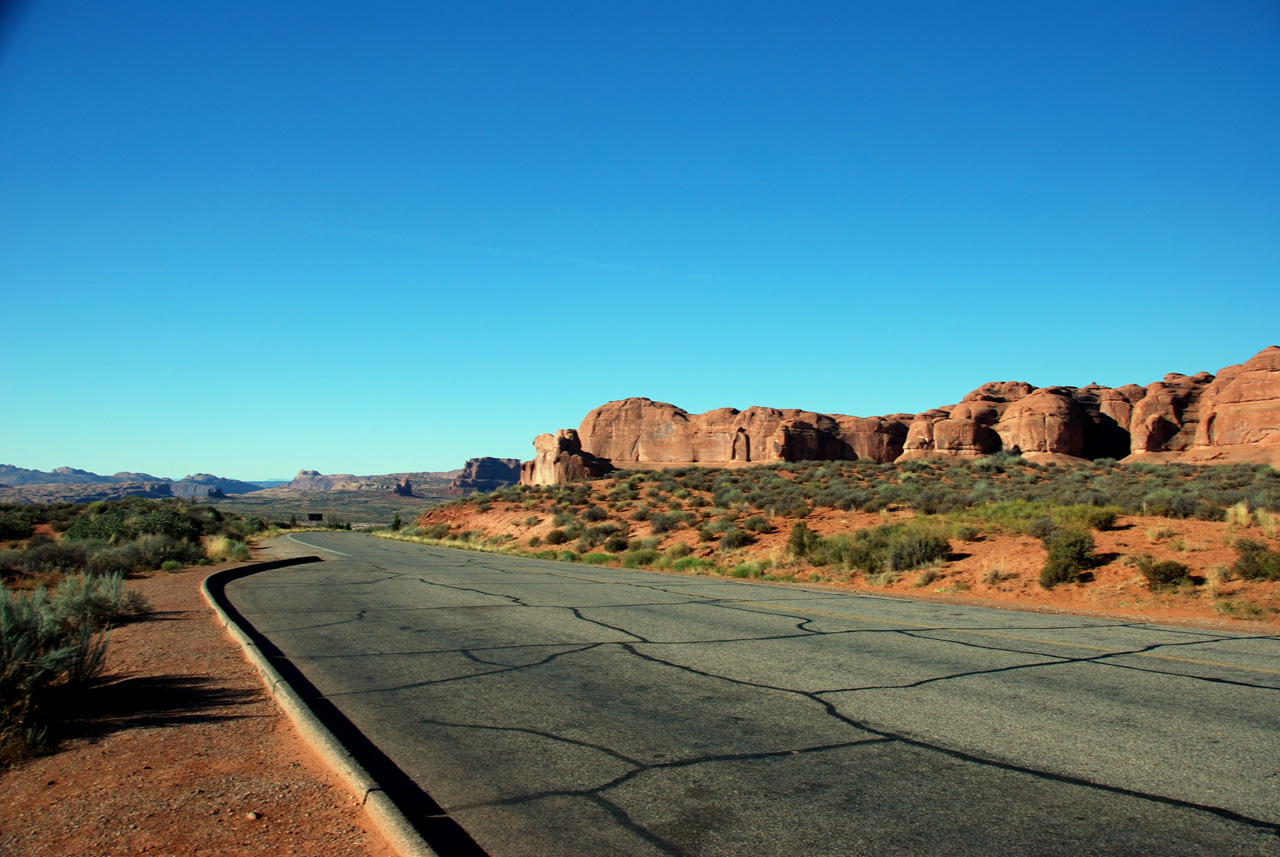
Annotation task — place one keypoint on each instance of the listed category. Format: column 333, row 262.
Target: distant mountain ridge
column 69, row 484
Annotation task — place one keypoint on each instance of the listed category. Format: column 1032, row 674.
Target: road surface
column 557, row 709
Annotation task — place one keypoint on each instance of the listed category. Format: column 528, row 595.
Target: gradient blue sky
column 252, row 237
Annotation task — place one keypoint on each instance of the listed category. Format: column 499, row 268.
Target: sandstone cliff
column 560, row 458
column 1234, row 416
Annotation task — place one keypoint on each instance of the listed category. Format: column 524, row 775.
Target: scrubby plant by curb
column 50, row 649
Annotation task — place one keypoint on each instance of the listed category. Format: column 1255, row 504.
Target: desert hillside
column 1160, row 542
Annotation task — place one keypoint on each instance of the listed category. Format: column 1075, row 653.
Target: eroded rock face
column 560, row 458
column 643, row 431
column 486, row 474
column 1234, row 416
column 1242, row 405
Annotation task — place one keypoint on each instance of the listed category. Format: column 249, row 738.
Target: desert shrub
column 641, row 514
column 757, row 524
column 912, row 547
column 563, row 519
column 662, row 522
column 224, row 549
column 678, row 550
column 435, row 531
column 615, row 543
column 45, row 558
column 801, row 541
column 1070, row 552
column 594, row 513
column 145, row 553
column 48, row 648
column 736, row 539
column 598, row 558
column 641, row 558
column 692, row 563
column 1256, row 561
column 532, row 521
column 722, row 525
column 748, row 569
column 557, row 537
column 95, row 602
column 535, row 541
column 1162, row 574
column 15, row 525
column 1041, row 528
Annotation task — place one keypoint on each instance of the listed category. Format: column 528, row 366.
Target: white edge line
column 290, row 537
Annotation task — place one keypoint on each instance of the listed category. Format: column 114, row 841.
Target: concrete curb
column 388, row 818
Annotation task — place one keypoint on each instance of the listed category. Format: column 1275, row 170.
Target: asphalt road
column 557, row 709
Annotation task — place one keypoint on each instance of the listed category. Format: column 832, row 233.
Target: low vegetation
column 51, row 649
column 755, row 521
column 62, row 584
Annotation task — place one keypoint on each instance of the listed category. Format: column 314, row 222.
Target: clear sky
column 252, row 237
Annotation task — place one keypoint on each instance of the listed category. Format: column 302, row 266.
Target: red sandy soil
column 180, row 752
column 1116, row 588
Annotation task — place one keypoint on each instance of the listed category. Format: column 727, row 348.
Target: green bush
column 557, row 537
column 1256, row 561
column 1070, row 552
column 736, row 539
column 15, row 525
column 640, row 558
column 678, row 550
column 692, row 563
column 801, row 541
column 1160, row 575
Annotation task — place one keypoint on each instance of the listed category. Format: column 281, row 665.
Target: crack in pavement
column 832, row 711
column 806, row 625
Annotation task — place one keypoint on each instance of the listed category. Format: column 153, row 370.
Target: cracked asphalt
column 555, row 709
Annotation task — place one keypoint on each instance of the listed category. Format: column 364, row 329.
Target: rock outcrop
column 560, row 458
column 644, row 431
column 486, row 474
column 1234, row 416
column 404, row 488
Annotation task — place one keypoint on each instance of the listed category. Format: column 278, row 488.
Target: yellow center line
column 811, row 612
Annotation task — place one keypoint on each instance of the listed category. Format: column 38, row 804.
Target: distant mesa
column 70, row 485
column 1231, row 417
column 486, row 474
column 422, row 483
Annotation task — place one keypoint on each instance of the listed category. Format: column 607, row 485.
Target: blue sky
column 252, row 237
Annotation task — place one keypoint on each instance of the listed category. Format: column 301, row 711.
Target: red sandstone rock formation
column 560, row 458
column 643, row 431
column 1233, row 417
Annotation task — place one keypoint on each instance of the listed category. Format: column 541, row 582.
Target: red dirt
column 175, row 752
column 1116, row 588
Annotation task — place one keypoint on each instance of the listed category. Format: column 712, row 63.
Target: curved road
column 556, row 709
